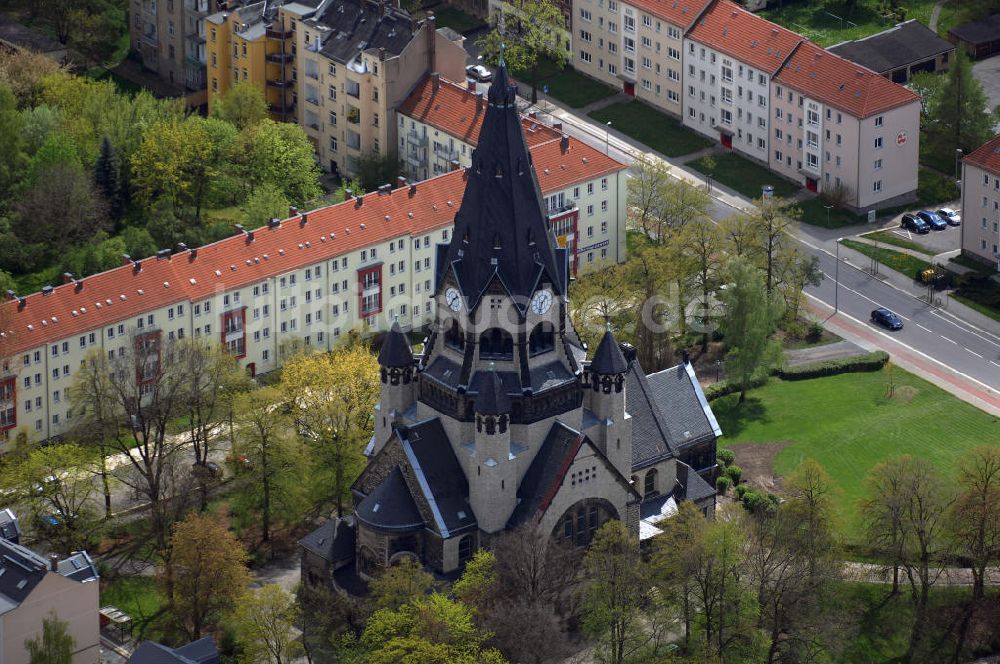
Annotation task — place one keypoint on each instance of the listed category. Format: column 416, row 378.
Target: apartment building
column 169, row 36
column 309, row 278
column 841, row 129
column 32, row 588
column 636, row 46
column 981, row 203
column 585, row 190
column 730, row 56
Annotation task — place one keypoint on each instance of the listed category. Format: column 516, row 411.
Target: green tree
column 700, row 245
column 531, row 30
column 38, row 122
column 400, row 584
column 644, row 193
column 95, row 28
column 751, row 317
column 375, row 170
column 264, row 621
column 12, row 138
column 279, row 154
column 264, row 204
column 959, row 115
column 675, row 558
column 107, row 177
column 243, row 105
column 54, row 645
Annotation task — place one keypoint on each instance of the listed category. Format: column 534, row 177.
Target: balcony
column 197, row 7
column 353, row 115
column 416, row 139
column 279, row 58
column 558, row 210
column 278, row 109
column 279, row 83
column 150, row 39
column 277, row 32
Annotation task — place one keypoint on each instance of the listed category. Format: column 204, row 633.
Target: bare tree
column 645, row 195
column 975, row 515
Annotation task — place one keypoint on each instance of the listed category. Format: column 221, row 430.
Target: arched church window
column 580, row 523
column 453, row 336
column 542, row 339
column 496, row 344
column 649, row 484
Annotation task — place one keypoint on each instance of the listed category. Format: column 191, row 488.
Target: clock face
column 453, row 298
column 541, row 302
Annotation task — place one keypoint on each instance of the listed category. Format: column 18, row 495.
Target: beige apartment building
column 636, row 46
column 33, row 588
column 981, row 203
column 843, row 130
column 169, row 36
column 308, row 279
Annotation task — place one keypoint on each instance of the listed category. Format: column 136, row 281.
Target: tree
column 882, row 510
column 264, row 621
column 23, row 72
column 56, row 481
column 751, row 317
column 644, row 194
column 400, row 584
column 264, row 204
column 242, row 106
column 959, row 116
column 772, row 223
column 95, row 28
column 675, row 558
column 107, row 177
column 279, row 154
column 12, row 138
column 975, row 515
column 615, row 589
column 205, row 573
column 275, row 478
column 531, row 30
column 55, row 645
column 599, row 298
column 332, row 396
column 326, row 618
column 701, row 244
column 375, row 170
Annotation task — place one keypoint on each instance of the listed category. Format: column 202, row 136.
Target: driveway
column 935, row 242
column 987, row 72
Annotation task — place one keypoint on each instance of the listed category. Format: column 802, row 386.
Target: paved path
column 948, row 576
column 834, row 351
column 936, row 14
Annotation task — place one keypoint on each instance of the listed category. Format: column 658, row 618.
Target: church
column 502, row 420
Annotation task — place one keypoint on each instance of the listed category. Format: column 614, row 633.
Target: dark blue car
column 886, row 318
column 933, row 220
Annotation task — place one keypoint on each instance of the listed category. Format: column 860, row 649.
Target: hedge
column 868, row 362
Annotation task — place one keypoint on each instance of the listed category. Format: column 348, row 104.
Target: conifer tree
column 960, row 116
column 107, row 176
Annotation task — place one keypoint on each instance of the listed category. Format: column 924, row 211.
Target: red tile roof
column 986, row 156
column 235, row 262
column 452, row 108
column 730, row 29
column 681, row 13
column 847, row 86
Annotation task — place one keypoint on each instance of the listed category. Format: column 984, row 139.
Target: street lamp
column 607, row 138
column 958, row 158
column 836, row 280
column 828, row 208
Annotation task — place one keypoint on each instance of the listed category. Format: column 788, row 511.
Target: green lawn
column 567, row 85
column 140, row 598
column 821, row 21
column 814, row 212
column 745, row 176
column 457, row 20
column 651, row 127
column 890, row 237
column 854, row 426
column 897, row 260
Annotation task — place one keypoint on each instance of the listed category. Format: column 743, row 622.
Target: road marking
column 925, row 329
column 992, row 362
column 947, row 339
column 968, row 327
column 975, row 353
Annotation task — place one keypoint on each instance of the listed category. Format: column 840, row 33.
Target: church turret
column 613, row 434
column 398, row 385
column 493, row 490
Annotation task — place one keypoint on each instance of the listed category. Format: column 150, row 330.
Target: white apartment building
column 981, row 203
column 730, row 56
column 843, row 130
column 309, row 278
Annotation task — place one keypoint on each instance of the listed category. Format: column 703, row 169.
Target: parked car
column 934, row 221
column 210, row 470
column 915, row 224
column 953, row 218
column 886, row 318
column 479, row 73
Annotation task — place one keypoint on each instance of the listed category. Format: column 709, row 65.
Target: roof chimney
column 430, row 24
column 11, row 295
column 47, row 290
column 400, row 182
column 564, row 144
column 359, row 201
column 274, row 223
column 249, row 237
column 181, row 246
column 685, row 357
column 67, row 278
column 435, row 81
column 480, row 102
column 453, row 165
column 385, row 190
column 557, row 126
column 54, row 562
column 413, row 189
column 471, row 85
column 292, row 210
column 304, row 220
column 126, row 259
column 162, row 253
column 239, row 228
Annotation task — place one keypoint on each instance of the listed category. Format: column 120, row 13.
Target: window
column 878, row 121
column 649, row 484
column 496, row 344
column 878, row 164
column 877, row 186
column 878, row 142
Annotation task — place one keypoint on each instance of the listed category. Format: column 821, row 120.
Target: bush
column 815, row 333
column 760, row 502
column 869, row 362
column 735, row 473
column 741, row 491
column 725, row 457
column 722, row 484
column 717, row 390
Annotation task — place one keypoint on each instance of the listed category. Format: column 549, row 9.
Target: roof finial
column 500, row 29
column 493, row 366
column 607, row 326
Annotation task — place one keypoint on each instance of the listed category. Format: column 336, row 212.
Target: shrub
column 716, row 390
column 869, row 362
column 815, row 332
column 760, row 502
column 741, row 491
column 735, row 473
column 725, row 457
column 722, row 484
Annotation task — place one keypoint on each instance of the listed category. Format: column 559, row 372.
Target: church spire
column 501, row 231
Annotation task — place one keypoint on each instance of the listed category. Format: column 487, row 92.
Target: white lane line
column 947, row 339
column 975, row 353
column 992, row 362
column 968, row 328
column 925, row 329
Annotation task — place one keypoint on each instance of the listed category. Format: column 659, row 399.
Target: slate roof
column 390, row 506
column 852, row 88
column 501, row 224
column 9, row 528
column 546, row 472
column 986, row 156
column 22, row 570
column 202, row 651
column 492, row 397
column 899, row 46
column 332, row 541
column 681, row 13
column 22, row 36
column 730, row 29
column 696, row 488
column 395, row 351
column 349, row 27
column 651, row 441
column 608, row 359
column 79, row 566
column 978, row 32
column 680, row 399
column 439, row 474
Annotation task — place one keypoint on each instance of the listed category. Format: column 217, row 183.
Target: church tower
column 493, row 490
column 397, row 392
column 613, row 430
